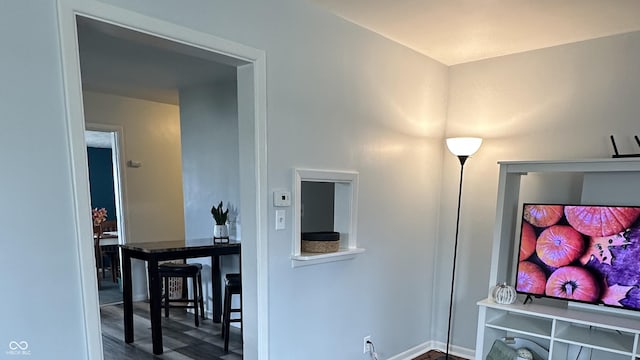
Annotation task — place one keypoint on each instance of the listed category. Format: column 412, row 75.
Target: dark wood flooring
column 181, row 339
column 434, row 354
column 109, row 291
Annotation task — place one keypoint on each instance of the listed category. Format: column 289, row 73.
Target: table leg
column 155, row 306
column 216, row 283
column 127, row 297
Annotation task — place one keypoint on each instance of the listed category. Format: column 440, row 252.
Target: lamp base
column 448, row 357
column 445, row 357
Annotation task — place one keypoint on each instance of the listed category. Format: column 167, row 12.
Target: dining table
column 153, row 253
column 109, row 238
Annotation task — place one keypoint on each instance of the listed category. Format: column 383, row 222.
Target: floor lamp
column 462, row 147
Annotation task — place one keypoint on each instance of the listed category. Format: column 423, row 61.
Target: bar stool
column 232, row 286
column 193, row 271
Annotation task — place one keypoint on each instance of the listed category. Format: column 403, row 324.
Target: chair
column 110, row 251
column 232, row 286
column 193, row 271
column 97, row 233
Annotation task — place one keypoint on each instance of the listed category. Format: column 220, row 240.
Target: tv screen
column 582, row 253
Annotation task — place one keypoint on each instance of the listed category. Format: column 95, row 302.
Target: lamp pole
column 463, row 159
column 463, row 148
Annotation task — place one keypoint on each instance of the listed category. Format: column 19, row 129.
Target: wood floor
column 434, row 354
column 181, row 339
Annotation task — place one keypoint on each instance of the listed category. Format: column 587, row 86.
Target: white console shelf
column 605, row 336
column 567, row 333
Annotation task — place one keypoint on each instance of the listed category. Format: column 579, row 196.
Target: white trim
column 345, row 218
column 342, row 254
column 121, row 193
column 67, row 11
column 415, row 351
column 423, row 348
column 80, row 180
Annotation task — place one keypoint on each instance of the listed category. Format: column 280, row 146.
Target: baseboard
column 434, row 345
column 414, row 351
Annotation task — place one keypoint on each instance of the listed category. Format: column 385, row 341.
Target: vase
column 220, row 234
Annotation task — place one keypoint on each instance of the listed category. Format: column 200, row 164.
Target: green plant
column 219, row 215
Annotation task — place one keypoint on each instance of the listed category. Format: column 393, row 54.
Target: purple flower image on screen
column 612, row 259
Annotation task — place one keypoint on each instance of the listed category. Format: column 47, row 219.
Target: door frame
column 251, row 65
column 119, row 181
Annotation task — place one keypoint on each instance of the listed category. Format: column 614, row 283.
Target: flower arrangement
column 99, row 216
column 219, row 215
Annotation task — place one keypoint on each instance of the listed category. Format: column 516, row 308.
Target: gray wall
column 317, row 206
column 557, row 103
column 341, row 97
column 210, row 168
column 381, row 107
column 39, row 257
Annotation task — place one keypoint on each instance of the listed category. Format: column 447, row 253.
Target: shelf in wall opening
column 304, row 259
column 596, row 338
column 525, row 325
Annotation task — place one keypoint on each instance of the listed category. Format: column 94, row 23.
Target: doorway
column 106, row 188
column 251, row 96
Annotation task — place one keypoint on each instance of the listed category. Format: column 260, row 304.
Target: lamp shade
column 464, row 146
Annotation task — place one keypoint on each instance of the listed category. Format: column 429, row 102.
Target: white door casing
column 252, row 126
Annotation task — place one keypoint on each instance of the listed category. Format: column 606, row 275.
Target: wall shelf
column 305, row 259
column 345, row 206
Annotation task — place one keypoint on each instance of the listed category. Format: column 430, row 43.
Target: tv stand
column 565, row 331
column 527, row 299
column 560, row 330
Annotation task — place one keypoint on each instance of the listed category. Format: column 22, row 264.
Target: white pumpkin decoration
column 524, row 354
column 504, row 294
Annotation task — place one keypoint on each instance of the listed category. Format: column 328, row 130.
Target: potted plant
column 220, row 230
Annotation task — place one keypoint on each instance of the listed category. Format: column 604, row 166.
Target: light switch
column 281, row 222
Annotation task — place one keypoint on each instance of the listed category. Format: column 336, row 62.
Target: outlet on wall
column 365, row 343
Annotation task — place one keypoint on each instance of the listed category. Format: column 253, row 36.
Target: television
column 584, row 253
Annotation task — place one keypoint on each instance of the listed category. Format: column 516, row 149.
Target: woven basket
column 320, row 242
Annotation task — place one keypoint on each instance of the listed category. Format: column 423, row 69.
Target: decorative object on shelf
column 501, row 351
column 220, row 229
column 462, row 147
column 524, row 354
column 503, row 294
column 99, row 216
column 320, row 241
column 618, row 155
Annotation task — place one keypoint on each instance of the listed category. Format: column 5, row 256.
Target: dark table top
column 177, row 245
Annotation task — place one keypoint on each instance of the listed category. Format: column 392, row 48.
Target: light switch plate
column 281, row 222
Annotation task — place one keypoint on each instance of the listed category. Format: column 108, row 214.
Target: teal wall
column 101, row 180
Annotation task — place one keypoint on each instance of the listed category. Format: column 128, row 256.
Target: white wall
column 153, row 200
column 210, row 165
column 341, row 97
column 38, row 257
column 556, row 103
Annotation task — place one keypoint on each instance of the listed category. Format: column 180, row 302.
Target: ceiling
column 459, row 31
column 124, row 62
column 119, row 61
